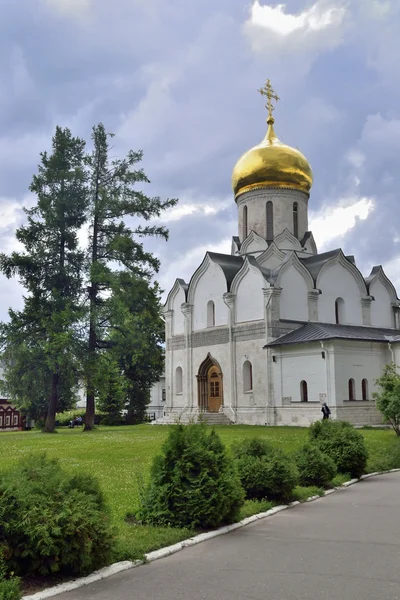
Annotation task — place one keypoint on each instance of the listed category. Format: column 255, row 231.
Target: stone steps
column 218, row 418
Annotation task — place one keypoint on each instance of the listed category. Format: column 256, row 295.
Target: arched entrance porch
column 210, row 385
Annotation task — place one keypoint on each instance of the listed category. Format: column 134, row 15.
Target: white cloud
column 332, row 222
column 297, row 36
column 187, row 207
column 278, row 21
column 71, row 7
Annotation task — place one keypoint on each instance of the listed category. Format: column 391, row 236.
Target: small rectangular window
column 163, row 395
column 15, row 419
column 8, row 421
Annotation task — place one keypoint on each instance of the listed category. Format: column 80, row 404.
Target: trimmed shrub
column 10, row 589
column 193, row 483
column 315, row 468
column 52, row 521
column 265, row 472
column 344, row 444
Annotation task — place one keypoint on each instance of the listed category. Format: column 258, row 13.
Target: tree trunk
column 90, row 392
column 52, row 410
column 92, row 346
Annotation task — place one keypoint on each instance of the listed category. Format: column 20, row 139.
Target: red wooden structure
column 10, row 417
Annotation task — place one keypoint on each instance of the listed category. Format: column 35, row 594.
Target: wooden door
column 214, row 390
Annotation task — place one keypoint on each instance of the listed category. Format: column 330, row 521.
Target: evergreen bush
column 52, row 521
column 315, row 468
column 193, row 483
column 10, row 589
column 265, row 472
column 344, row 444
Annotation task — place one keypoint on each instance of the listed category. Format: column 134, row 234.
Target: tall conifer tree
column 114, row 248
column 44, row 334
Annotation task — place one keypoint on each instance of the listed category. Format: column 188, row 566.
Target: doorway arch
column 210, row 385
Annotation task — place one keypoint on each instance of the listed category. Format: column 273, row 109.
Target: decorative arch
column 271, row 256
column 210, row 385
column 253, row 239
column 249, row 264
column 294, row 261
column 179, row 285
column 285, row 238
column 378, row 273
column 340, row 258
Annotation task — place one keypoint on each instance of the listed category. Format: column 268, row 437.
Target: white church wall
column 155, row 408
column 294, row 296
column 335, row 281
column 178, row 319
column 295, row 364
column 250, row 298
column 175, row 397
column 251, row 404
column 211, row 286
column 381, row 309
column 358, row 361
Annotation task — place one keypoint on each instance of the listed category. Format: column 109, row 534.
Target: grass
column 121, row 458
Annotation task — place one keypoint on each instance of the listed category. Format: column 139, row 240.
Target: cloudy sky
column 178, row 79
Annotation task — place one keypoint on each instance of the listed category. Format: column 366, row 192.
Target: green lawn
column 121, row 457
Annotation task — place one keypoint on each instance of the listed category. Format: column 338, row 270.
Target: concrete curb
column 197, row 539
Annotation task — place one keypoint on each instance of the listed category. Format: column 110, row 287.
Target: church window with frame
column 295, row 219
column 178, row 380
column 303, row 391
column 247, row 376
column 270, row 221
column 364, row 389
column 210, row 314
column 352, row 395
column 339, row 311
column 244, row 222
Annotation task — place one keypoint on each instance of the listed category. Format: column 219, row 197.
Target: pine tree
column 114, row 245
column 50, row 268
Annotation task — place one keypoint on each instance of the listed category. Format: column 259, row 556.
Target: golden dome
column 272, row 164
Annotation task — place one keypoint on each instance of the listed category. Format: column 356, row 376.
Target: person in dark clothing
column 325, row 411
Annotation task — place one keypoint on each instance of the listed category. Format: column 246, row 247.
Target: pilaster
column 230, row 301
column 313, row 305
column 366, row 309
column 187, row 310
column 168, row 316
column 272, row 297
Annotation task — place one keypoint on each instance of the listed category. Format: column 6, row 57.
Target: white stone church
column 267, row 333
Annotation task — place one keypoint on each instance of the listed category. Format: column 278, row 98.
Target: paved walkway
column 345, row 546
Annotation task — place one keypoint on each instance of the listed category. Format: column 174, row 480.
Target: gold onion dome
column 271, row 164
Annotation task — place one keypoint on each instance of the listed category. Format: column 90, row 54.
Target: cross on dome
column 269, row 92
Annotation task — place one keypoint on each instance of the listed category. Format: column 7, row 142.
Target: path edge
column 126, row 565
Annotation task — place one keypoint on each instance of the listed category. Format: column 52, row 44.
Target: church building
column 266, row 334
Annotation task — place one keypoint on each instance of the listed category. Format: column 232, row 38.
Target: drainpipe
column 391, row 352
column 269, row 368
column 327, row 372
